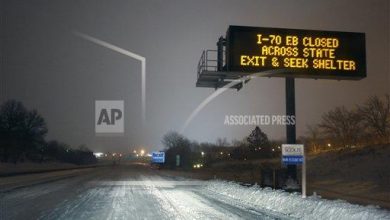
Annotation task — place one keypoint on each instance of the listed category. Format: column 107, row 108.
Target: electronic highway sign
column 296, row 53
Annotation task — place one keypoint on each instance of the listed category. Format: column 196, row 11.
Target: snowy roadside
column 291, row 205
column 10, row 169
column 329, row 191
column 21, row 181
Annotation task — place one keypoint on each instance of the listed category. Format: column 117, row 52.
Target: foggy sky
column 48, row 68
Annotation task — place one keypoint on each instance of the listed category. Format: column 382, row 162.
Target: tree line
column 256, row 145
column 366, row 124
column 22, row 138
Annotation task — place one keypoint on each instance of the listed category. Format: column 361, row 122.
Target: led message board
column 296, row 53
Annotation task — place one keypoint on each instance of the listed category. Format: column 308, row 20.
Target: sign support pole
column 220, row 44
column 304, row 175
column 290, row 128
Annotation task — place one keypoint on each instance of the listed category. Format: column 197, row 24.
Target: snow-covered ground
column 292, row 205
column 139, row 193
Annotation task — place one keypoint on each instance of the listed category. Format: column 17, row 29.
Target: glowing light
column 98, row 154
column 197, row 166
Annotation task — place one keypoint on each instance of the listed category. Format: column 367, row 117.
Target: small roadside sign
column 158, row 157
column 177, row 160
column 292, row 154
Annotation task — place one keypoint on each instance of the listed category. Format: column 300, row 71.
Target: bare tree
column 376, row 116
column 221, row 142
column 174, row 139
column 21, row 131
column 176, row 144
column 342, row 125
column 313, row 136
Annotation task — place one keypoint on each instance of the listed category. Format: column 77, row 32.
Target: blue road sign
column 158, row 157
column 292, row 159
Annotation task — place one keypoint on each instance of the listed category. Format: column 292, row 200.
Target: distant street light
column 202, row 153
column 329, row 145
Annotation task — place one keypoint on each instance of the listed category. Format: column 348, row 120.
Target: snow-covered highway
column 138, row 192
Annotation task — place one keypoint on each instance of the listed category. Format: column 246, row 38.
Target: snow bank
column 292, row 205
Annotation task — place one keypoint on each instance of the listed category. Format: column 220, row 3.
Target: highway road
column 133, row 191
